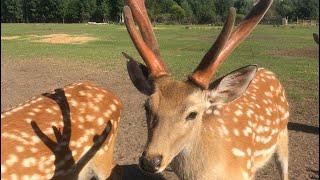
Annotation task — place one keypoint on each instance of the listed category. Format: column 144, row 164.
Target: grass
column 181, row 48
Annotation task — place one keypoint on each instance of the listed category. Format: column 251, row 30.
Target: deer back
column 46, row 136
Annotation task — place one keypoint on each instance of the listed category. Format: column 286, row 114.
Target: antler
column 224, row 45
column 146, row 45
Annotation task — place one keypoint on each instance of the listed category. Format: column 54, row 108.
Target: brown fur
column 23, row 154
column 225, row 141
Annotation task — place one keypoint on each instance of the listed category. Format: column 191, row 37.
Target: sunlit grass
column 182, row 48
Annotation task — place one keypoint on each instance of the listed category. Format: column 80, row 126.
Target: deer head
column 175, row 110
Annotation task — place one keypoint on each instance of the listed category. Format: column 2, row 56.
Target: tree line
column 160, row 11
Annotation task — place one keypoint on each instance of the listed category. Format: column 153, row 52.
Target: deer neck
column 199, row 160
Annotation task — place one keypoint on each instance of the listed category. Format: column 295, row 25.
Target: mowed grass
column 181, row 48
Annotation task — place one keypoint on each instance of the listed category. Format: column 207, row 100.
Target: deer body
column 225, row 129
column 235, row 140
column 83, row 116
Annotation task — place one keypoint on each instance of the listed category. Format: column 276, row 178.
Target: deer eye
column 192, row 115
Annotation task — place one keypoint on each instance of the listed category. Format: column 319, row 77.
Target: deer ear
column 139, row 75
column 231, row 86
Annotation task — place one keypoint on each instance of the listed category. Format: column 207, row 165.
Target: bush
column 239, row 18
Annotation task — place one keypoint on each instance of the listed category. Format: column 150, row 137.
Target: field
column 35, row 58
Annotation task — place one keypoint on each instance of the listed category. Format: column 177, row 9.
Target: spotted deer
column 225, row 129
column 68, row 133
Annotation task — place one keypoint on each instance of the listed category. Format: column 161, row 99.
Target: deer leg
column 282, row 155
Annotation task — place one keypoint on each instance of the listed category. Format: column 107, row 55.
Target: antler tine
column 140, row 14
column 237, row 36
column 155, row 64
column 214, row 51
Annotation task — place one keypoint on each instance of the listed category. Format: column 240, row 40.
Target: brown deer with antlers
column 226, row 129
column 34, row 147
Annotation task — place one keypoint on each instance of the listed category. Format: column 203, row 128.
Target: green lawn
column 181, row 48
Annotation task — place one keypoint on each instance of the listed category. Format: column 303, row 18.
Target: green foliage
column 160, row 11
column 11, row 10
column 189, row 16
column 177, row 13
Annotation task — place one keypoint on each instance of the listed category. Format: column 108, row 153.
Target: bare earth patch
column 9, row 37
column 62, row 39
column 309, row 52
column 261, row 37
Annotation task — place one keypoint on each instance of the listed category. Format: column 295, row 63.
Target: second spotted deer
column 225, row 129
column 68, row 133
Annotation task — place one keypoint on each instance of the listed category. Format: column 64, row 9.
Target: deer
column 67, row 133
column 228, row 128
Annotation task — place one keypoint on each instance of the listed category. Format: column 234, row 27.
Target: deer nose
column 150, row 164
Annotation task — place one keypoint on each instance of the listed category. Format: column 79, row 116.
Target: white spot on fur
column 237, row 152
column 19, row 148
column 224, row 130
column 113, row 107
column 116, row 101
column 266, row 140
column 238, row 113
column 28, row 120
column 245, row 175
column 209, row 111
column 31, row 113
column 216, row 112
column 82, row 93
column 236, row 132
column 250, row 112
column 90, row 118
column 12, row 159
column 35, row 139
column 3, row 169
column 107, row 113
column 36, row 110
column 249, row 165
column 73, row 102
column 220, row 120
column 28, row 162
column 34, row 150
column 286, row 115
column 13, row 176
column 246, row 131
column 234, row 119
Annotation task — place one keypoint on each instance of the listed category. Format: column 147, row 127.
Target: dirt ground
column 54, row 38
column 22, row 79
column 310, row 52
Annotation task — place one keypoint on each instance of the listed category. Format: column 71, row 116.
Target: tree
column 222, row 9
column 243, row 6
column 63, row 6
column 189, row 16
column 11, row 11
column 101, row 12
column 30, row 10
column 116, row 10
column 84, row 10
column 177, row 13
column 204, row 10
